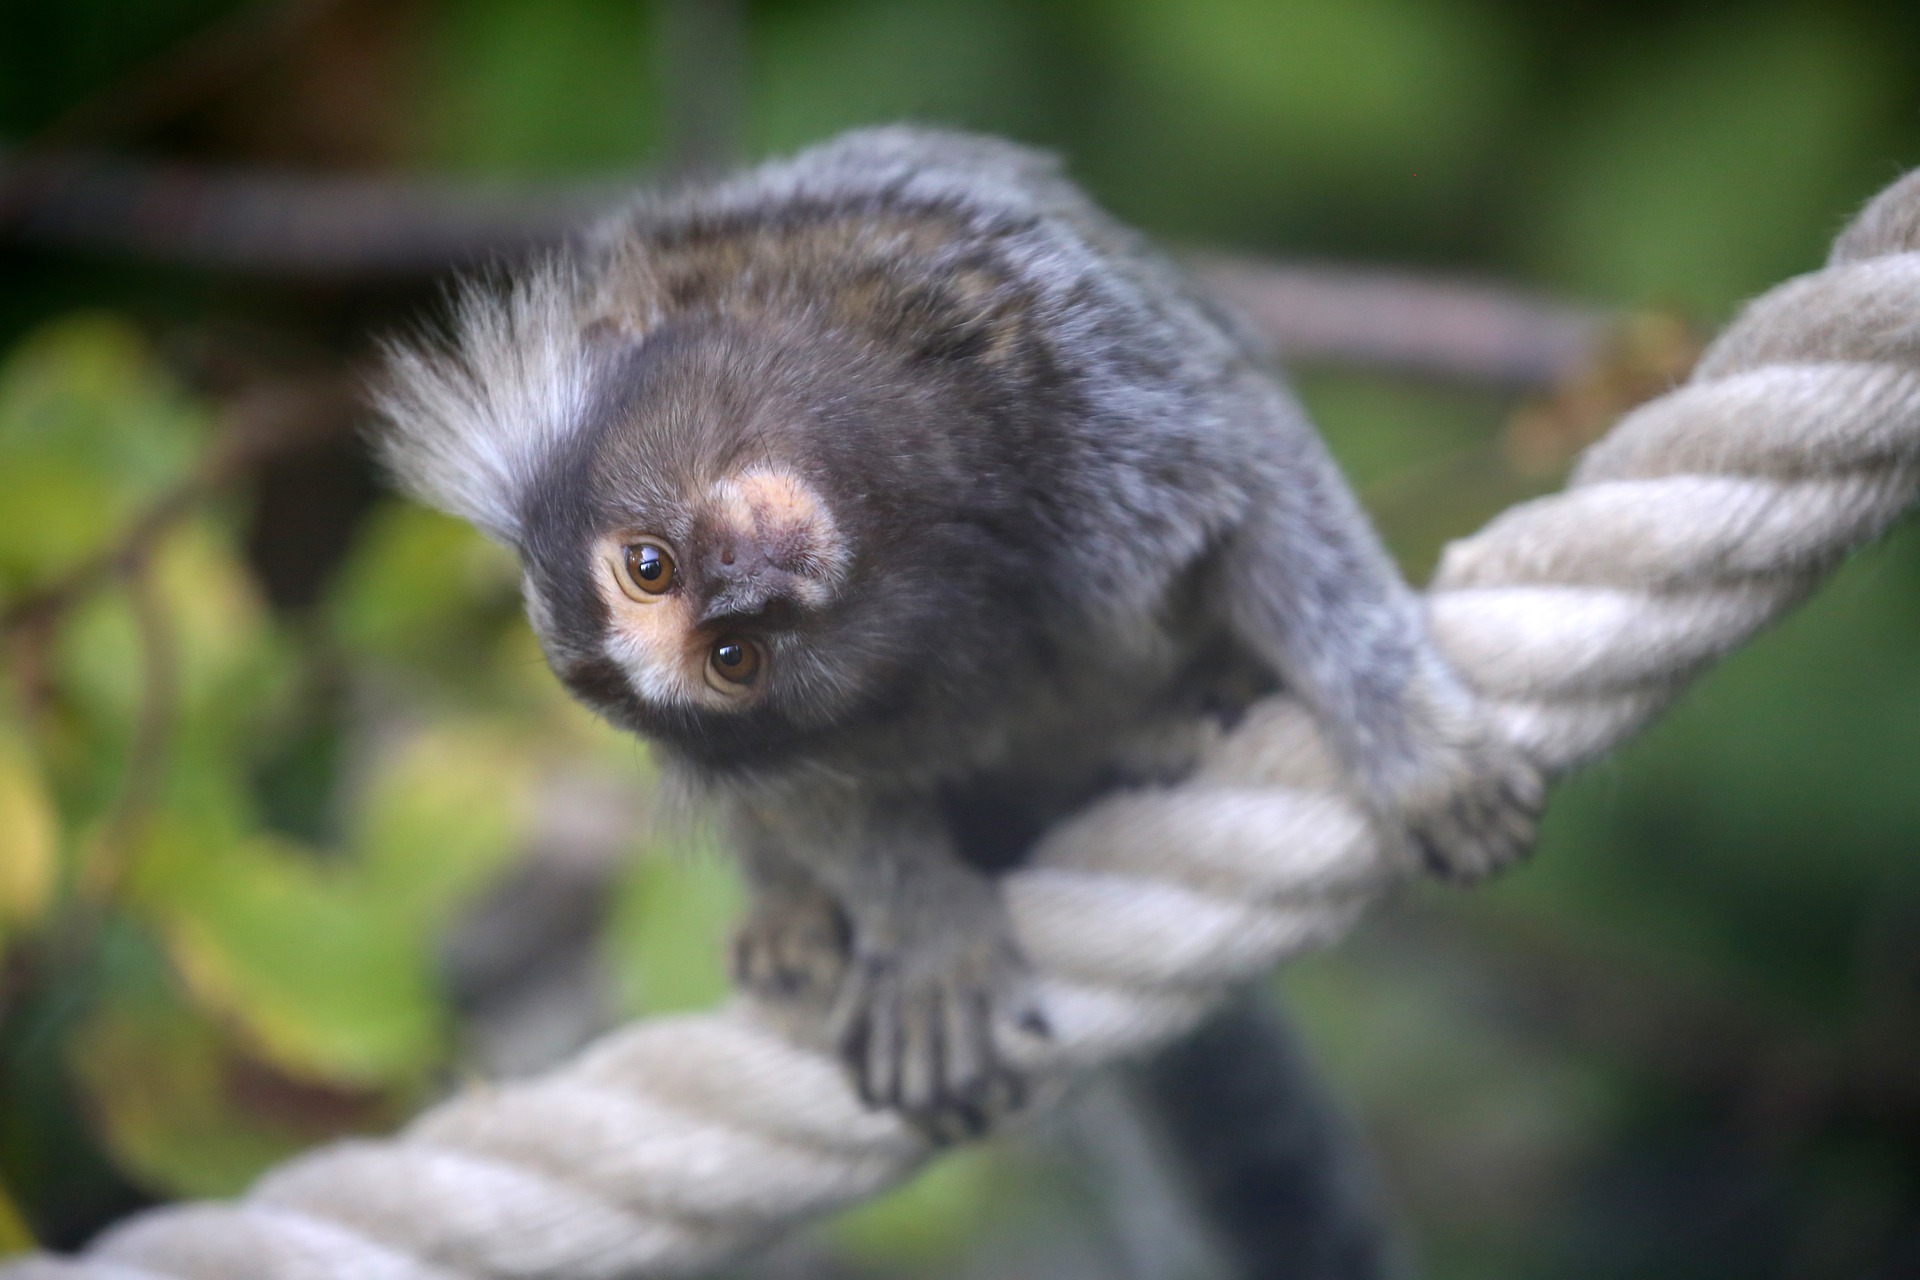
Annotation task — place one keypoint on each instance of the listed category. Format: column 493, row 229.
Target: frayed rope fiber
column 678, row 1143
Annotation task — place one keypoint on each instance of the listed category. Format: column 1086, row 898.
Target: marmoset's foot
column 916, row 1024
column 1475, row 812
column 791, row 947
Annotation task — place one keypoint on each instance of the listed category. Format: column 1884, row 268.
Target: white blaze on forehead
column 774, row 504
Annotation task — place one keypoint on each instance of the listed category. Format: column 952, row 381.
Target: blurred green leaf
column 431, row 609
column 1709, row 166
column 91, row 430
column 325, row 982
column 1232, row 114
column 1343, row 83
column 667, row 938
column 209, row 677
column 424, row 591
column 184, row 1111
column 85, row 737
column 512, row 87
column 442, row 820
column 825, row 68
column 328, row 961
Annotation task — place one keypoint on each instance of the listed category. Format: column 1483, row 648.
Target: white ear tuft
column 471, row 418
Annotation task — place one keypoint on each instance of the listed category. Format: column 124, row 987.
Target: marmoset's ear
column 472, row 416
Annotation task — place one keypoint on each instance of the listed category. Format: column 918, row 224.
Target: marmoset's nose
column 740, row 584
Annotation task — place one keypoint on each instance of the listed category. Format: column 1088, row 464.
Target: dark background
column 295, row 829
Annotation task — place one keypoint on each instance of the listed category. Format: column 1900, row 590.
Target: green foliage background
column 236, row 828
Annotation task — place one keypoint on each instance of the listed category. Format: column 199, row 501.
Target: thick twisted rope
column 677, row 1143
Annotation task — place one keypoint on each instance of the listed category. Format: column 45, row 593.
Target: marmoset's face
column 704, row 600
column 694, row 560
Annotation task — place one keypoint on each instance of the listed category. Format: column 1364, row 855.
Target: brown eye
column 646, row 569
column 734, row 661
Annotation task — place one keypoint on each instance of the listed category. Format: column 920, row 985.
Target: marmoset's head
column 749, row 537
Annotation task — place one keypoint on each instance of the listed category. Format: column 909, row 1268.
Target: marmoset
column 906, row 502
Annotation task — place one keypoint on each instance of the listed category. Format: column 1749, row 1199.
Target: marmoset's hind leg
column 1309, row 588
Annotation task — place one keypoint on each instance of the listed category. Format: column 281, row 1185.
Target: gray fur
column 1082, row 519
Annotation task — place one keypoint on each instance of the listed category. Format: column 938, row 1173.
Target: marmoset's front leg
column 931, row 970
column 1309, row 588
column 793, row 944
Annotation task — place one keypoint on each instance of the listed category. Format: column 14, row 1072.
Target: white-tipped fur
column 473, row 416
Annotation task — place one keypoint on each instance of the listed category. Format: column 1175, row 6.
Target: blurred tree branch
column 281, row 224
column 1381, row 319
column 302, row 226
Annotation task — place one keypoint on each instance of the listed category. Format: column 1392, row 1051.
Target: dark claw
column 957, row 1121
column 1035, row 1023
column 853, row 1051
column 919, row 1040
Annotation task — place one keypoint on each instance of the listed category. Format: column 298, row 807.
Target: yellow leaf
column 215, row 614
column 92, row 430
column 14, row 1235
column 446, row 814
column 327, row 981
column 29, row 836
column 185, row 1110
